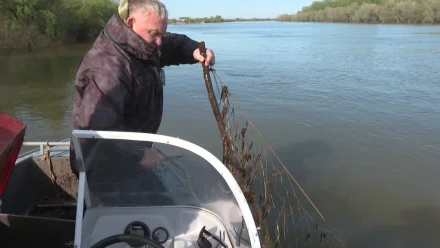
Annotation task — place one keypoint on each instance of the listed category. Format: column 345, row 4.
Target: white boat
column 190, row 199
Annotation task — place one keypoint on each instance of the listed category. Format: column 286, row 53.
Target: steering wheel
column 129, row 239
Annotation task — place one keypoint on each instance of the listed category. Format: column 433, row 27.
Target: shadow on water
column 306, row 159
column 296, row 157
column 341, row 220
column 420, row 230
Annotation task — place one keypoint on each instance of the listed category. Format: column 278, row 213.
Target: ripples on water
column 353, row 109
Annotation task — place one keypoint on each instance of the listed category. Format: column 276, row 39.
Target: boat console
column 127, row 197
column 167, row 226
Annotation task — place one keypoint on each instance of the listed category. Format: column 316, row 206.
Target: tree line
column 369, row 11
column 30, row 24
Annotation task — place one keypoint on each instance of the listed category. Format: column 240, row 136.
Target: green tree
column 28, row 24
column 369, row 11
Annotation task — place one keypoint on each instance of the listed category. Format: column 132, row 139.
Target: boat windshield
column 125, row 173
column 131, row 173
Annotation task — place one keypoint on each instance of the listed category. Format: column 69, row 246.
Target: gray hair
column 153, row 6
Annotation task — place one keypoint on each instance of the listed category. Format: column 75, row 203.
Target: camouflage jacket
column 118, row 86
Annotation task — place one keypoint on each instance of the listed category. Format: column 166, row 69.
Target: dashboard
column 171, row 226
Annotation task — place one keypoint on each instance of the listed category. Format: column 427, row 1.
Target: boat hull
column 11, row 138
column 29, row 231
column 30, row 190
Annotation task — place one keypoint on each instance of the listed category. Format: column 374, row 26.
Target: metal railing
column 43, row 144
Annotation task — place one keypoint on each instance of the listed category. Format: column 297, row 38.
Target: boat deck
column 30, row 190
column 63, row 205
column 64, row 178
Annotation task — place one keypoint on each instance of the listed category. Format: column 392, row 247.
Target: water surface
column 352, row 109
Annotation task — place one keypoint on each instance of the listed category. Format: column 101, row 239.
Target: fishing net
column 283, row 212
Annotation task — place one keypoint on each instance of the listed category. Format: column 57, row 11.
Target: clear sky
column 233, row 8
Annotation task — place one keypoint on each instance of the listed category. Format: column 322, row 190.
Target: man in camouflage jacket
column 118, row 83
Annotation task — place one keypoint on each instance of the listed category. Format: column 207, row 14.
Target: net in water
column 282, row 210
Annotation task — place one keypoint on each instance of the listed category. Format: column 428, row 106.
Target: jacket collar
column 121, row 35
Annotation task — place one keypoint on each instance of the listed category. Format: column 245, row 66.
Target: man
column 118, row 83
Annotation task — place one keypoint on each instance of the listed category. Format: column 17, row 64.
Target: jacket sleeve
column 177, row 49
column 104, row 99
column 102, row 104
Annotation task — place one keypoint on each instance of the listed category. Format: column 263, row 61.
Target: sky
column 233, row 8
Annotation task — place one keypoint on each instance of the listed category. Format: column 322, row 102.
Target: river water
column 355, row 107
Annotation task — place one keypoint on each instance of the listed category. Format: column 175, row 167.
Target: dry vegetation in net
column 369, row 11
column 284, row 214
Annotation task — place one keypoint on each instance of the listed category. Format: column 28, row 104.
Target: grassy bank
column 369, row 11
column 33, row 24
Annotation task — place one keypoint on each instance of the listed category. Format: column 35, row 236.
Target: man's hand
column 210, row 58
column 151, row 158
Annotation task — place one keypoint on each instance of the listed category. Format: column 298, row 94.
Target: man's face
column 149, row 26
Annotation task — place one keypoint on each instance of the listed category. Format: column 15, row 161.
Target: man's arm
column 177, row 49
column 102, row 109
column 98, row 106
column 102, row 103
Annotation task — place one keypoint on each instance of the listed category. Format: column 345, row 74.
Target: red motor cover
column 11, row 139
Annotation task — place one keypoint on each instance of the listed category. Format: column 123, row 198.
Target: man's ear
column 130, row 21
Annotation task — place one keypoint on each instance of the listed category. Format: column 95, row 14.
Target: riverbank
column 32, row 42
column 369, row 11
column 34, row 25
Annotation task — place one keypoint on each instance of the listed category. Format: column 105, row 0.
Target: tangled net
column 277, row 201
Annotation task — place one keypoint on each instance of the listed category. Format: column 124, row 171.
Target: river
column 355, row 107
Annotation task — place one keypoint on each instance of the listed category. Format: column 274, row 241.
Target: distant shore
column 368, row 11
column 213, row 19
